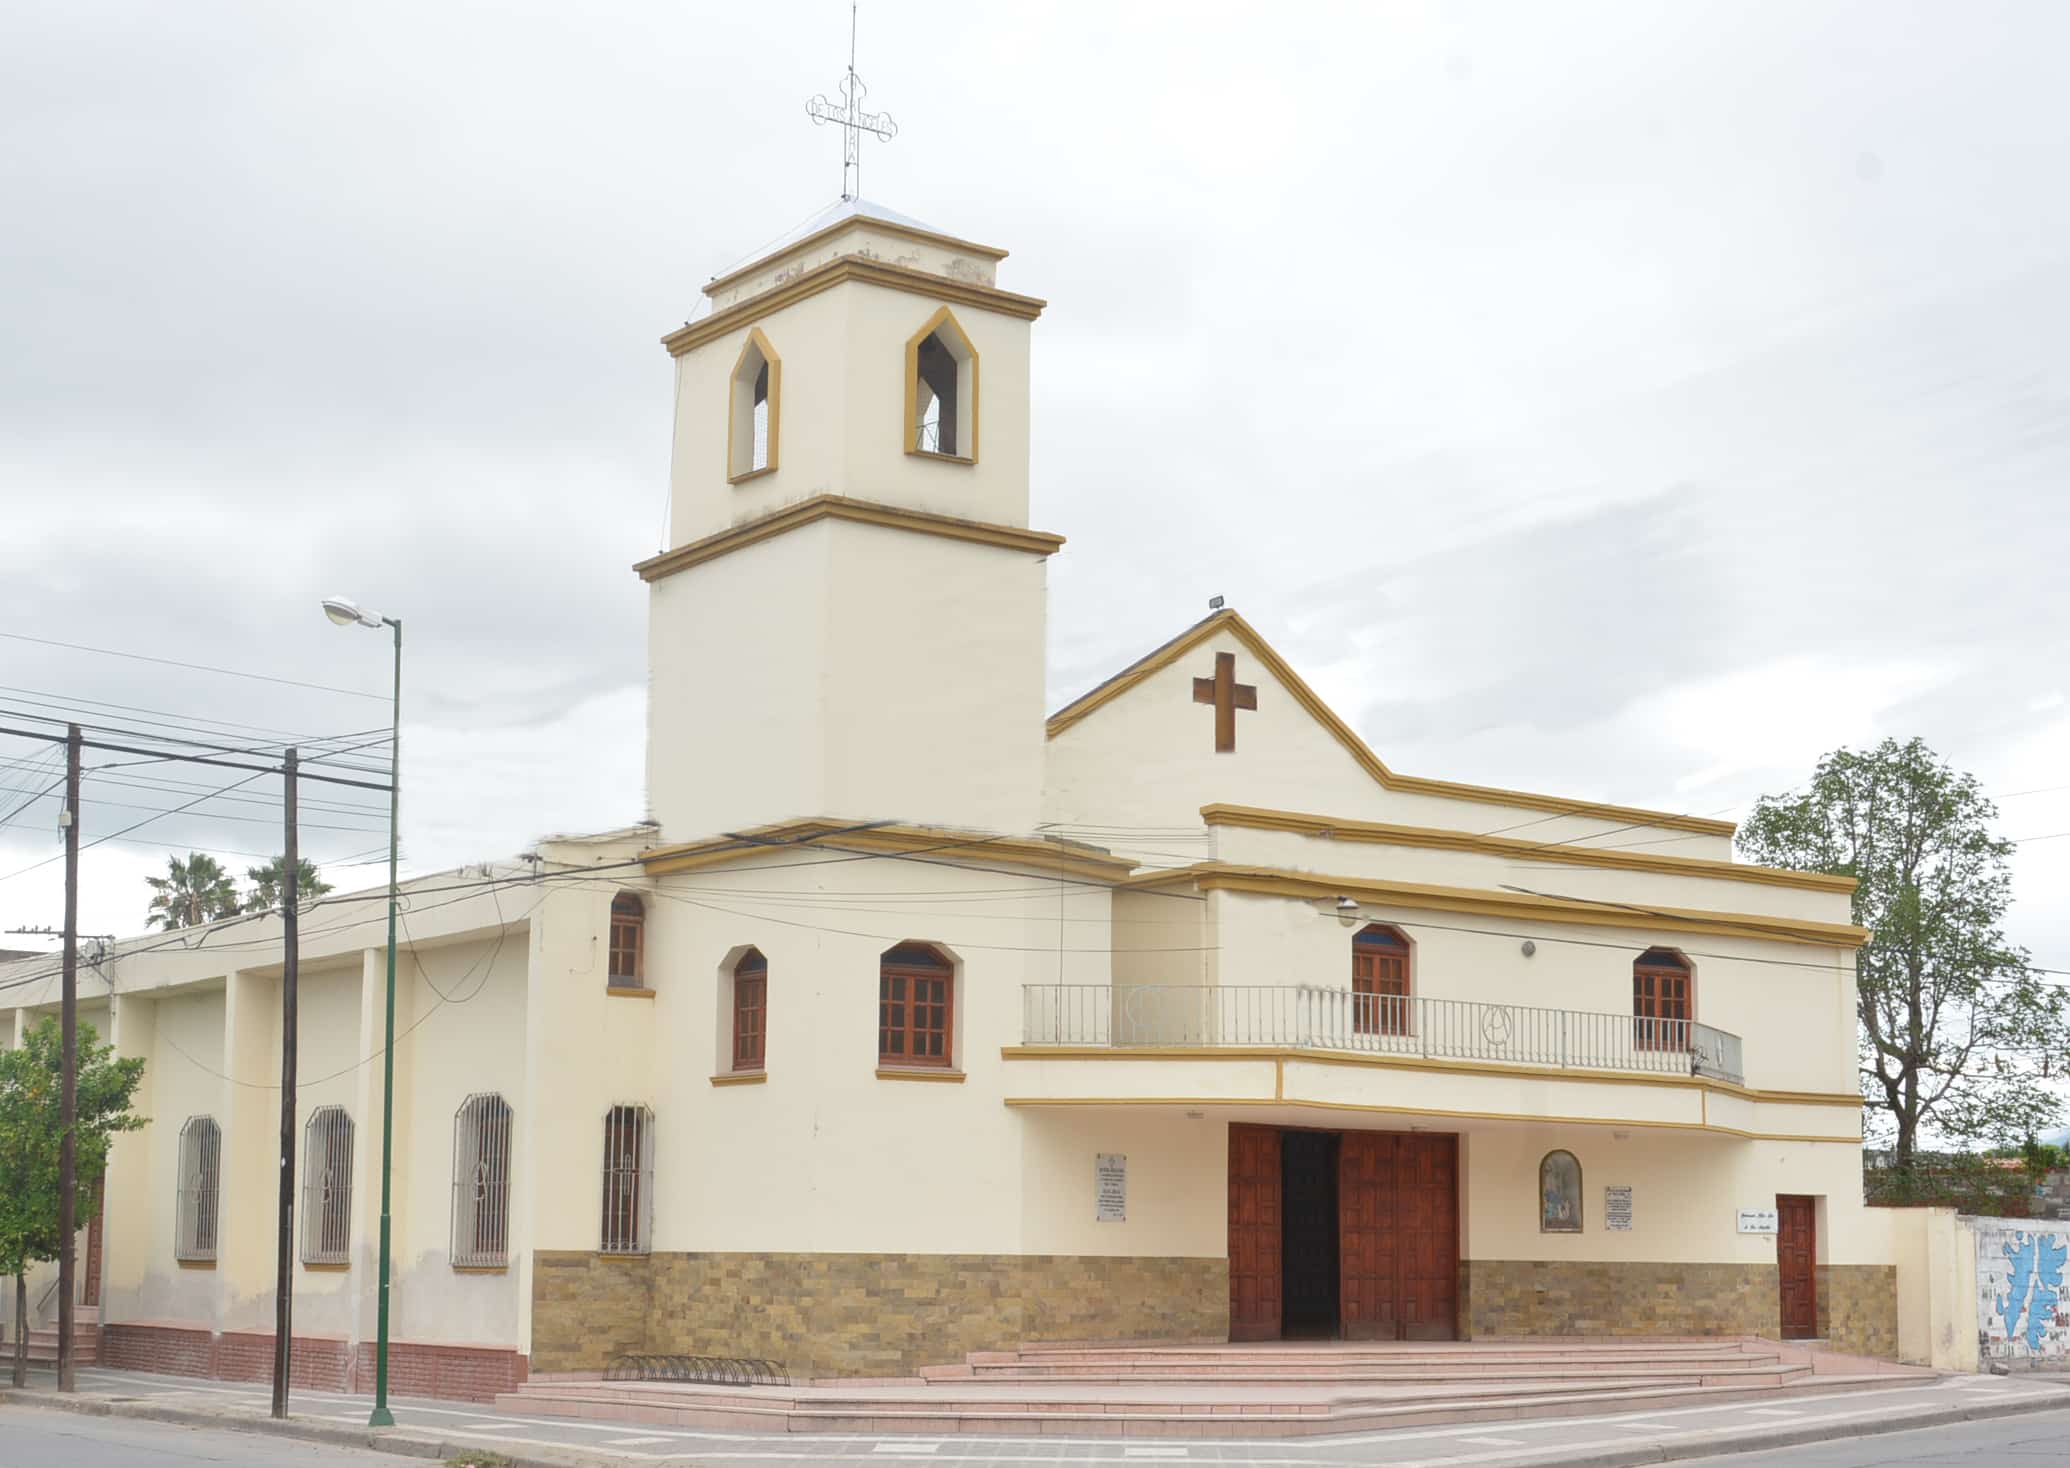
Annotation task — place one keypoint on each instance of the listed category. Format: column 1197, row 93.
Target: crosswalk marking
column 897, row 1447
column 1494, row 1442
column 1155, row 1452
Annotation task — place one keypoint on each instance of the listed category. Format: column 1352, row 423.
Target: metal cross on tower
column 854, row 121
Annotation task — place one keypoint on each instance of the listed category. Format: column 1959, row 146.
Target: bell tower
column 849, row 621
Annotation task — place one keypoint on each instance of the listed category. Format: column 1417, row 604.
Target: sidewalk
column 443, row 1430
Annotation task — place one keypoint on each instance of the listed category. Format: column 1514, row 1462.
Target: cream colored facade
column 1151, row 942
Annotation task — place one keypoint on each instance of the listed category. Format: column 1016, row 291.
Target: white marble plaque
column 1110, row 1188
column 1758, row 1221
column 1617, row 1208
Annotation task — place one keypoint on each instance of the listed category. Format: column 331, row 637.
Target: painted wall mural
column 2021, row 1311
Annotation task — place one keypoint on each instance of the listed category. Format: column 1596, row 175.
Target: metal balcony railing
column 1303, row 1017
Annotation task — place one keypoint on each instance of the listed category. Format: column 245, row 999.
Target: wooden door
column 1398, row 1201
column 1369, row 1278
column 1254, row 1243
column 1796, row 1261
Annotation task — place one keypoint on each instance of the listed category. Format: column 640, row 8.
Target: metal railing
column 1314, row 1018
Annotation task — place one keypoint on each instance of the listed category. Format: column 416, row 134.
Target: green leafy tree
column 1958, row 1034
column 264, row 895
column 30, row 1139
column 193, row 891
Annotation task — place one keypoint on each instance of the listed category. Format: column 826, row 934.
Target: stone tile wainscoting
column 1857, row 1308
column 1547, row 1297
column 861, row 1314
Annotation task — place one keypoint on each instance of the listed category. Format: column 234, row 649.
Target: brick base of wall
column 1857, row 1308
column 320, row 1363
column 1544, row 1297
column 861, row 1314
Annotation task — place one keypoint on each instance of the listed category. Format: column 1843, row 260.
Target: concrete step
column 935, row 1412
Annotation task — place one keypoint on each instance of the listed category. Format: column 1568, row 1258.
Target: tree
column 266, row 880
column 1958, row 1033
column 30, row 1140
column 191, row 892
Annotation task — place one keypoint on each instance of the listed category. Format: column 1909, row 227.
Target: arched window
column 941, row 391
column 199, row 1192
column 1661, row 1000
column 481, row 1182
column 750, row 1011
column 1559, row 1194
column 327, row 1187
column 628, row 1180
column 751, row 414
column 628, row 941
column 1379, row 981
column 916, row 987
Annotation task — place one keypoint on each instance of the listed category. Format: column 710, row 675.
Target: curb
column 403, row 1442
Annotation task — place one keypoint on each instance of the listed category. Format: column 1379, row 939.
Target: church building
column 920, row 1019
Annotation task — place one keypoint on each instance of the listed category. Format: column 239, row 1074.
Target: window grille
column 327, row 1187
column 628, row 1180
column 750, row 1011
column 915, row 994
column 481, row 1182
column 200, row 1190
column 1379, row 982
column 628, row 938
column 1660, row 1000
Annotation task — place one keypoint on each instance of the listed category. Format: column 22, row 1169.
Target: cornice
column 720, row 283
column 1378, row 833
column 1026, row 853
column 1284, row 882
column 858, row 268
column 861, row 512
column 1228, row 620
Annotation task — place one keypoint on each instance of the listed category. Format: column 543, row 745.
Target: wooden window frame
column 750, row 1012
column 1377, row 1006
column 899, row 1007
column 634, row 922
column 1661, row 1018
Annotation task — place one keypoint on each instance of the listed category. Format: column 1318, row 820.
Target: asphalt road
column 30, row 1438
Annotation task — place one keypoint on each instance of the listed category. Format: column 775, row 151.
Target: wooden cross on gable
column 1227, row 695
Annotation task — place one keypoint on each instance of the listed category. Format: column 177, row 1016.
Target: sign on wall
column 1759, row 1221
column 1110, row 1188
column 1617, row 1208
column 2021, row 1314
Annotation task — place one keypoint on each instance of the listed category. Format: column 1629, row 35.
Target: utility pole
column 68, row 1085
column 284, row 1264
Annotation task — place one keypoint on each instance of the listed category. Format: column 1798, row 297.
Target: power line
column 195, row 667
column 147, row 820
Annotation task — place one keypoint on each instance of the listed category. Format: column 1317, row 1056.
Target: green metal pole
column 381, row 1416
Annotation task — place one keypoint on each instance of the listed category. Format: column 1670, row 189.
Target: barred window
column 628, row 940
column 628, row 1180
column 915, row 995
column 200, row 1190
column 327, row 1187
column 481, row 1182
column 750, row 1010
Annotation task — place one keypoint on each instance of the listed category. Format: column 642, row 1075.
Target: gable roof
column 1228, row 621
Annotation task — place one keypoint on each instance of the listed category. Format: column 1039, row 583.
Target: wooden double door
column 1348, row 1234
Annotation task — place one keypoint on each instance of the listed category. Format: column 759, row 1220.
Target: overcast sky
column 1623, row 401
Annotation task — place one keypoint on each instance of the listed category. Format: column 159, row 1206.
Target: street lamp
column 351, row 614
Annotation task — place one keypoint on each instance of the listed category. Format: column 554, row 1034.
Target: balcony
column 1304, row 1018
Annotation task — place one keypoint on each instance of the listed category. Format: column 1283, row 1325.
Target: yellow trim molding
column 1067, row 858
column 1281, row 1054
column 1332, row 828
column 860, row 512
column 909, row 431
column 1210, row 876
column 1227, row 620
column 628, row 991
column 1298, row 1103
column 741, row 1078
column 918, row 1073
column 760, row 343
column 731, row 278
column 839, row 272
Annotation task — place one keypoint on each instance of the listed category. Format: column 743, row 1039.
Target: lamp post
column 350, row 614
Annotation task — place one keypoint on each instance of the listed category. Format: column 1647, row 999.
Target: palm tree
column 191, row 892
column 265, row 893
